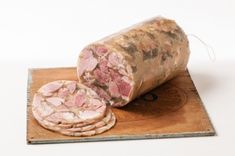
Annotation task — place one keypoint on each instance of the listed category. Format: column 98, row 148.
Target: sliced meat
column 84, row 129
column 93, row 131
column 72, row 107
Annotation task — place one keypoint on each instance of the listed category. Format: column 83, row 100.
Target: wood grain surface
column 172, row 110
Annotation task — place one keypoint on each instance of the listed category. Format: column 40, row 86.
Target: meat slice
column 85, row 129
column 72, row 107
column 134, row 61
column 98, row 123
column 91, row 131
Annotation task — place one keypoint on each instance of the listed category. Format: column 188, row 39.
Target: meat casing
column 129, row 63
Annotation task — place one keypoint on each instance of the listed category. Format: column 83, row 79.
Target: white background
column 50, row 33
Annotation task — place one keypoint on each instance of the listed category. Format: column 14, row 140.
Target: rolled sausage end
column 107, row 72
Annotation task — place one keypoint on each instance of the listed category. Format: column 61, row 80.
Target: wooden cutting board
column 172, row 110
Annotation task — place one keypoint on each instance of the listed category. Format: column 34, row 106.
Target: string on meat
column 209, row 48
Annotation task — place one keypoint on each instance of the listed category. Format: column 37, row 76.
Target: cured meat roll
column 72, row 109
column 132, row 62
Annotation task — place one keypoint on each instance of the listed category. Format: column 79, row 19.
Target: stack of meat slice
column 72, row 109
